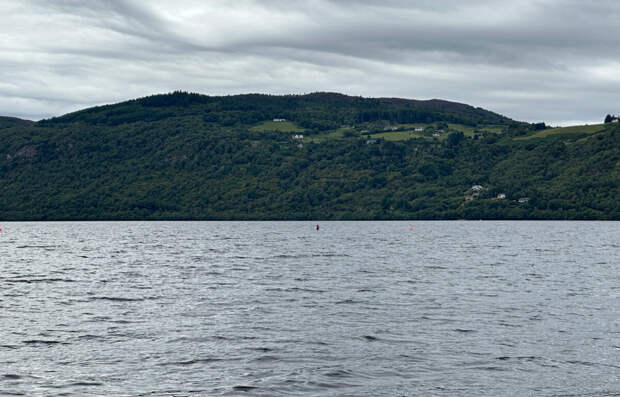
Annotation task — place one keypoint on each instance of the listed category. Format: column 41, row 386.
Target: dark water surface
column 279, row 309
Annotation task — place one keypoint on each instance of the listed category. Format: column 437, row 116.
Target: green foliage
column 189, row 156
column 579, row 129
column 284, row 126
column 454, row 139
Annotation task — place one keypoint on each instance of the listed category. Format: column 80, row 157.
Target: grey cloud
column 529, row 59
column 123, row 17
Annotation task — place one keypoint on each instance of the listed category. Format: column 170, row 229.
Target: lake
column 281, row 309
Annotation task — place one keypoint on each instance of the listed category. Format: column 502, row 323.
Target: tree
column 454, row 139
column 608, row 118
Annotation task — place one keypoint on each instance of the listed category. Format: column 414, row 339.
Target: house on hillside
column 524, row 200
column 418, row 129
column 371, row 141
column 436, row 134
column 298, row 137
column 477, row 188
column 278, row 120
column 501, row 196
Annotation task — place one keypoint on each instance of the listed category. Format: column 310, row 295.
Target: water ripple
column 279, row 309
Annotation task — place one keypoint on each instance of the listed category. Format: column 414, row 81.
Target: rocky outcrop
column 28, row 152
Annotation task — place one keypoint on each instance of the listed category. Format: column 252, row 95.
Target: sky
column 532, row 60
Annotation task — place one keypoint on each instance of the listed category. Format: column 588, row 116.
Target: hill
column 315, row 156
column 317, row 111
column 6, row 122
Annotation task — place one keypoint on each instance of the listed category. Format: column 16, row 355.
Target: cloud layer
column 533, row 60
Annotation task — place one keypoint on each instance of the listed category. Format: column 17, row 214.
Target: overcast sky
column 534, row 60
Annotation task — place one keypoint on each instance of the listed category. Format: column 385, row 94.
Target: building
column 298, row 137
column 279, row 120
column 418, row 129
column 477, row 188
column 501, row 196
column 524, row 200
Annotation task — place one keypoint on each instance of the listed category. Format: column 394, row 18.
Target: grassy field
column 405, row 132
column 412, row 126
column 388, row 136
column 335, row 134
column 469, row 131
column 408, row 134
column 283, row 126
column 398, row 135
column 575, row 129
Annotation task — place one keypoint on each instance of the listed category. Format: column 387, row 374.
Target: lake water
column 280, row 309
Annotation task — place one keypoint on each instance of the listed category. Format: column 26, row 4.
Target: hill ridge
column 266, row 102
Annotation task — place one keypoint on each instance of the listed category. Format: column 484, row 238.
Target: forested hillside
column 316, row 156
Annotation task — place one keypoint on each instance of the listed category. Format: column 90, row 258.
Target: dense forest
column 315, row 156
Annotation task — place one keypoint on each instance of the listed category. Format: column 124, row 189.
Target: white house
column 477, row 188
column 298, row 137
column 524, row 200
column 501, row 196
column 418, row 129
column 436, row 134
column 279, row 120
